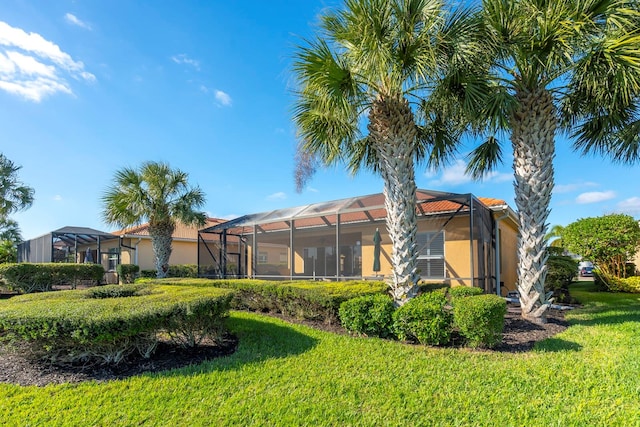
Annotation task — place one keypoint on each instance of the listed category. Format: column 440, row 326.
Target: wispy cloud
column 569, row 188
column 630, row 206
column 595, row 197
column 184, row 59
column 57, row 198
column 456, row 175
column 73, row 20
column 223, row 98
column 277, row 196
column 32, row 67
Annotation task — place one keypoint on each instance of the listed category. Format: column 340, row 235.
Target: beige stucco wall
column 508, row 255
column 183, row 252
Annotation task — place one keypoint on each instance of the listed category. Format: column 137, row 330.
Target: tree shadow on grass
column 612, row 316
column 557, row 345
column 258, row 341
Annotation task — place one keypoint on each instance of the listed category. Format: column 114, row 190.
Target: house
column 128, row 246
column 462, row 240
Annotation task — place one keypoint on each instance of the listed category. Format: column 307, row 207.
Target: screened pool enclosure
column 337, row 240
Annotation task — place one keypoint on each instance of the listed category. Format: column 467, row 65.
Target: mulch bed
column 519, row 336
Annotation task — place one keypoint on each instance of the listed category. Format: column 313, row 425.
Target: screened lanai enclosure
column 72, row 244
column 336, row 240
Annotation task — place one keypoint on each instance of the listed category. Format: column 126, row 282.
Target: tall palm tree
column 373, row 66
column 157, row 194
column 550, row 66
column 14, row 195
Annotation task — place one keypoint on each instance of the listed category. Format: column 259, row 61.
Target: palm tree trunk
column 161, row 238
column 533, row 124
column 392, row 129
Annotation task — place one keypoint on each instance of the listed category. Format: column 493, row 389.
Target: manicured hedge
column 79, row 325
column 369, row 315
column 615, row 284
column 180, row 270
column 464, row 291
column 41, row 277
column 127, row 272
column 300, row 299
column 480, row 319
column 424, row 319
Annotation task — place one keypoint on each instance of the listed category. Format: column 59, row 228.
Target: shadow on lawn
column 557, row 345
column 257, row 341
column 613, row 316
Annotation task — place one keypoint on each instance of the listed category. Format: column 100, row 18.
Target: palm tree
column 374, row 63
column 549, row 66
column 14, row 195
column 555, row 236
column 157, row 194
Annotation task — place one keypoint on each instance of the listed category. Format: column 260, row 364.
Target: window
column 113, row 259
column 431, row 255
column 284, row 259
column 263, row 257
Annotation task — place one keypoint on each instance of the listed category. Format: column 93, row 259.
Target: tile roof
column 181, row 232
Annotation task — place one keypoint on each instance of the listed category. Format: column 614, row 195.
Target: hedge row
column 430, row 318
column 300, row 299
column 41, row 277
column 113, row 321
column 180, row 270
column 615, row 284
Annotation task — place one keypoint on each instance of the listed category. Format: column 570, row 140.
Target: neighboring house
column 462, row 240
column 135, row 245
column 129, row 246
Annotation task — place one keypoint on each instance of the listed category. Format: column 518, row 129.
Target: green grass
column 285, row 374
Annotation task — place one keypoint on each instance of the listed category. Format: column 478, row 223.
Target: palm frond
column 484, row 158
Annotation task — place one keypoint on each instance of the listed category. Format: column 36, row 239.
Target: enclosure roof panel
column 354, row 209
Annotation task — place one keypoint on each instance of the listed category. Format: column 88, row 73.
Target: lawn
column 286, row 374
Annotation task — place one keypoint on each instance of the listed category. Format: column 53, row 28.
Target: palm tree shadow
column 557, row 345
column 257, row 341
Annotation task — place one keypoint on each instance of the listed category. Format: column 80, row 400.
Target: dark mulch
column 519, row 336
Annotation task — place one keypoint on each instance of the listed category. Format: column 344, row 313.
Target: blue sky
column 88, row 87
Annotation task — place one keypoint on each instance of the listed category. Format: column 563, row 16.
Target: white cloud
column 73, row 20
column 277, row 196
column 456, row 175
column 568, row 188
column 57, row 198
column 33, row 67
column 184, row 59
column 595, row 197
column 311, row 189
column 630, row 206
column 223, row 98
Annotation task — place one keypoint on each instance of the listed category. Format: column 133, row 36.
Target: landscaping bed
column 519, row 335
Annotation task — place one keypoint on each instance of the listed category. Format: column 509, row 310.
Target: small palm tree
column 373, row 67
column 157, row 194
column 549, row 66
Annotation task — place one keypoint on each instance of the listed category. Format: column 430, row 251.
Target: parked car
column 586, row 272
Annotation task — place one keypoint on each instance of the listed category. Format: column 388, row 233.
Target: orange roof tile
column 181, row 232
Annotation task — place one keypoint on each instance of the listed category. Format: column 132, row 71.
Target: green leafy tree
column 367, row 98
column 549, row 66
column 157, row 194
column 609, row 241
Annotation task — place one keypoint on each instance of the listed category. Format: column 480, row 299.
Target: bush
column 561, row 272
column 464, row 291
column 424, row 319
column 480, row 319
column 615, row 284
column 369, row 315
column 127, row 272
column 81, row 325
column 149, row 274
column 31, row 277
column 183, row 270
column 300, row 299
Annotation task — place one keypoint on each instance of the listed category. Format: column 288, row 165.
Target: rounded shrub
column 370, row 315
column 424, row 319
column 480, row 319
column 111, row 322
column 464, row 291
